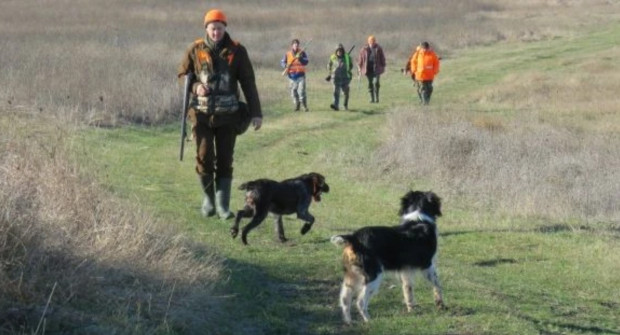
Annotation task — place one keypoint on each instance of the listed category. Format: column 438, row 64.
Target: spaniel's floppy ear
column 405, row 201
column 434, row 200
column 317, row 177
column 319, row 181
column 403, row 205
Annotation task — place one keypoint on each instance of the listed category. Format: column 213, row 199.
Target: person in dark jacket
column 220, row 66
column 371, row 63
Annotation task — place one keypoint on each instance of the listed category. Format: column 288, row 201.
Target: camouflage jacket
column 231, row 65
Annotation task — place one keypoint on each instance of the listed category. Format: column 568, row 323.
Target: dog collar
column 418, row 216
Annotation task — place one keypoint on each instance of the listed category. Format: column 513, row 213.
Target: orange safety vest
column 204, row 57
column 295, row 65
column 424, row 64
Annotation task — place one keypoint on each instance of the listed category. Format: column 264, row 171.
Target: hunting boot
column 423, row 94
column 305, row 106
column 297, row 106
column 346, row 102
column 222, row 198
column 208, row 207
column 372, row 96
column 334, row 106
column 377, row 94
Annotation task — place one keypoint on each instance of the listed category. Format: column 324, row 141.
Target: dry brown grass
column 107, row 265
column 520, row 167
column 585, row 99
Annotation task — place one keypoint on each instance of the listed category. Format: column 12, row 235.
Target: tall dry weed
column 522, row 167
column 114, row 267
column 580, row 99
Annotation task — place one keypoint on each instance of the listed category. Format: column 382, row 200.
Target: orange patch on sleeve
column 203, row 56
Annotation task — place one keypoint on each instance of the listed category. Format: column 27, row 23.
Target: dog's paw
column 234, row 232
column 306, row 228
column 440, row 305
column 412, row 308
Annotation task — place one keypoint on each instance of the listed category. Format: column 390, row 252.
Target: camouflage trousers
column 297, row 87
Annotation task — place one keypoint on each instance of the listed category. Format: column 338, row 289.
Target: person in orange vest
column 294, row 62
column 220, row 66
column 423, row 65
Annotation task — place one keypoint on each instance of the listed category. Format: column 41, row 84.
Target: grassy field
column 101, row 229
column 503, row 273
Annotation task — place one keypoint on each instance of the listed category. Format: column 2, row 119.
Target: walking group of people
column 422, row 65
column 221, row 65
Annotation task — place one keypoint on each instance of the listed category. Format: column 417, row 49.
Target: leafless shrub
column 114, row 266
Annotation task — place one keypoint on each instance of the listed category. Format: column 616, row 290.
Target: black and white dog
column 405, row 248
column 289, row 196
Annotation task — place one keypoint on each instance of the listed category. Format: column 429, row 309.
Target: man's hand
column 257, row 122
column 202, row 90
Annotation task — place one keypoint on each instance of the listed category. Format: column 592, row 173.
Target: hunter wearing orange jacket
column 423, row 66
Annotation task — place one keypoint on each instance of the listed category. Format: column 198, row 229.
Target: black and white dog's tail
column 341, row 240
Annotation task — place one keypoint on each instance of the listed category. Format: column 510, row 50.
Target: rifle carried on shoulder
column 349, row 53
column 288, row 65
column 187, row 89
column 329, row 76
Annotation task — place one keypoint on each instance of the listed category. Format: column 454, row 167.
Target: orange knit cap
column 371, row 39
column 215, row 15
